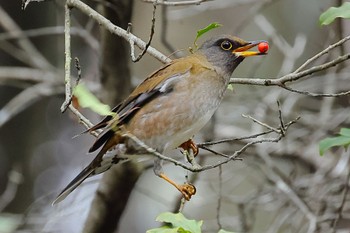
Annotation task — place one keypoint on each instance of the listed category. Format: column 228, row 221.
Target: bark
column 117, row 184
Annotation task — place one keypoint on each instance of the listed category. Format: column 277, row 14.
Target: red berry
column 263, row 47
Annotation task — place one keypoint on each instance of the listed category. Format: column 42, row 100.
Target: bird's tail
column 89, row 170
column 101, row 163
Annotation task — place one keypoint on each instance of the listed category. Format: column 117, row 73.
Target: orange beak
column 242, row 51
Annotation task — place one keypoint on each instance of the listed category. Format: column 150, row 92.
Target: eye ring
column 226, row 45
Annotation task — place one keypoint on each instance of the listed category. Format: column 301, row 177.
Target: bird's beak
column 242, row 51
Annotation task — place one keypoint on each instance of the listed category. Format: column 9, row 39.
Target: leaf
column 328, row 143
column 205, row 30
column 345, row 132
column 223, row 231
column 230, row 87
column 332, row 13
column 179, row 221
column 9, row 222
column 166, row 229
column 87, row 100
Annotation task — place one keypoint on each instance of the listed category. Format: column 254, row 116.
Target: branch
column 343, row 202
column 292, row 77
column 26, row 98
column 136, row 59
column 68, row 59
column 197, row 167
column 15, row 178
column 117, row 30
column 339, row 43
column 24, row 74
column 300, row 73
column 33, row 56
column 56, row 30
column 178, row 3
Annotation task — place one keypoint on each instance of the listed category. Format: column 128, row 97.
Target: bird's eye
column 226, row 45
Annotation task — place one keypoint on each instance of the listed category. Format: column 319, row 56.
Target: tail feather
column 101, row 163
column 74, row 184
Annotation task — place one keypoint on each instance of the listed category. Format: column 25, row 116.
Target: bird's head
column 227, row 52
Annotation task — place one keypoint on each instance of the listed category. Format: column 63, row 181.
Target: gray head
column 227, row 52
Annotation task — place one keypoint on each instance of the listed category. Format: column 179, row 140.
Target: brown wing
column 149, row 89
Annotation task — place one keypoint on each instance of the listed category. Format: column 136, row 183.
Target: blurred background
column 277, row 187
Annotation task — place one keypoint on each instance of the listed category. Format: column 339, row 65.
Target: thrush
column 168, row 108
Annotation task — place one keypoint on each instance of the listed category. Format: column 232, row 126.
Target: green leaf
column 179, row 221
column 87, row 100
column 9, row 223
column 345, row 132
column 332, row 13
column 230, row 87
column 166, row 229
column 223, row 231
column 205, row 30
column 328, row 143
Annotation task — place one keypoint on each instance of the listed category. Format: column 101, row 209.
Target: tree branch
column 117, row 30
column 178, row 3
column 68, row 59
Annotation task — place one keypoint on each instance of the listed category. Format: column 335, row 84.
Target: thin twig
column 300, row 73
column 199, row 168
column 214, row 152
column 78, row 67
column 282, row 129
column 292, row 76
column 178, row 3
column 85, row 9
column 261, row 123
column 33, row 56
column 15, row 178
column 344, row 93
column 55, row 30
column 26, row 98
column 201, row 145
column 83, row 120
column 68, row 58
column 329, row 48
column 136, row 59
column 218, row 207
column 343, row 201
column 25, row 74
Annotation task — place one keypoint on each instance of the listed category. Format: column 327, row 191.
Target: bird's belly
column 166, row 127
column 186, row 133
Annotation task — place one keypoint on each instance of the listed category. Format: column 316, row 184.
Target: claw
column 190, row 145
column 187, row 190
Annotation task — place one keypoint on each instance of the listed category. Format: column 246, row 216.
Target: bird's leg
column 190, row 145
column 187, row 190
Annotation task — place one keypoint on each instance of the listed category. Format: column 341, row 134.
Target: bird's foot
column 190, row 145
column 187, row 190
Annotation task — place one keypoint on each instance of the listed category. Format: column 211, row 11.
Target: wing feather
column 156, row 84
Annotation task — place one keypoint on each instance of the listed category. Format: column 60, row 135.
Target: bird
column 167, row 109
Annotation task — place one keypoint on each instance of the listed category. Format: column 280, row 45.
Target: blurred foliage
column 86, row 99
column 178, row 223
column 332, row 13
column 9, row 222
column 342, row 140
